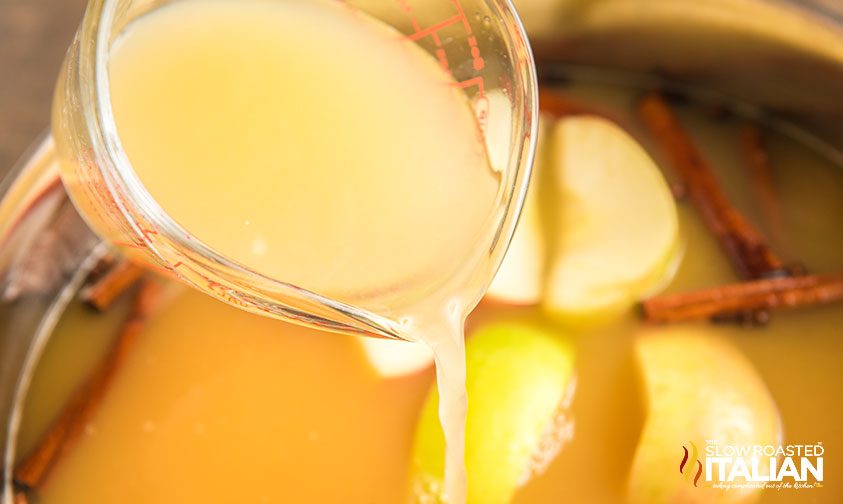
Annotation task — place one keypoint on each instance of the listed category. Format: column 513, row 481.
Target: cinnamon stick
column 742, row 243
column 70, row 423
column 17, row 498
column 557, row 105
column 757, row 162
column 121, row 276
column 747, row 297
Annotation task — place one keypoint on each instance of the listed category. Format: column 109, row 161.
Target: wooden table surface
column 34, row 35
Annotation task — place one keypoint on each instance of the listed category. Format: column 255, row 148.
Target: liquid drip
column 448, row 345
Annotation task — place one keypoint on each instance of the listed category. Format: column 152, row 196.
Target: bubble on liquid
column 559, row 432
column 454, row 308
column 568, row 395
column 487, row 21
column 259, row 246
column 148, row 426
column 405, row 322
column 428, row 490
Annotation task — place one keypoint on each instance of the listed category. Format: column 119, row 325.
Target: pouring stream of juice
column 317, row 146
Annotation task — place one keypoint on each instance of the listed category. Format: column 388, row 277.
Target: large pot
column 782, row 58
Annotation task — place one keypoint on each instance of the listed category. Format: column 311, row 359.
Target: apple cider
column 212, row 404
column 590, row 379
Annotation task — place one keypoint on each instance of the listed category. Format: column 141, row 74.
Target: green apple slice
column 520, row 279
column 618, row 234
column 519, row 384
column 698, row 387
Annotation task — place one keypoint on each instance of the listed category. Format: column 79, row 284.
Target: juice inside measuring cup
column 318, row 147
column 306, row 141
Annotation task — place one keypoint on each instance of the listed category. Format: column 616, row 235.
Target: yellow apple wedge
column 617, row 227
column 394, row 358
column 519, row 280
column 698, row 387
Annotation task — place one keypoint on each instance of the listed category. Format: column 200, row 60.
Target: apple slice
column 394, row 358
column 520, row 384
column 617, row 225
column 699, row 387
column 520, row 278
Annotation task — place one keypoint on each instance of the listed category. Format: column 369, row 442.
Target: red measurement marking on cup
column 224, row 293
column 161, row 270
column 481, row 102
column 143, row 241
column 131, row 245
column 433, row 30
column 148, row 233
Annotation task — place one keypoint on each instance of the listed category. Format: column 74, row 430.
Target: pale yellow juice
column 319, row 147
column 309, row 143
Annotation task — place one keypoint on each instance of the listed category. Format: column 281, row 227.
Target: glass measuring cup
column 480, row 42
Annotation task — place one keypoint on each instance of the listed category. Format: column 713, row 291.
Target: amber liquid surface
column 218, row 405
